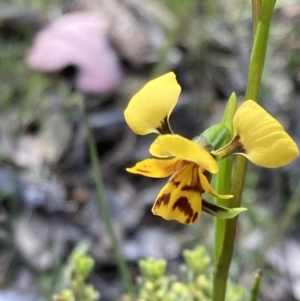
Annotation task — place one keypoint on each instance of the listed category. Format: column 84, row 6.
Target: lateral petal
column 149, row 109
column 156, row 168
column 207, row 187
column 180, row 198
column 175, row 145
column 263, row 138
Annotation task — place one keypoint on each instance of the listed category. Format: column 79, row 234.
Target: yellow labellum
column 187, row 150
column 180, row 198
column 149, row 109
column 263, row 139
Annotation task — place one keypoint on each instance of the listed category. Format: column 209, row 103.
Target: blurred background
column 59, row 56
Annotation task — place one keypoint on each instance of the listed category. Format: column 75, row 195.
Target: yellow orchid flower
column 259, row 137
column 180, row 199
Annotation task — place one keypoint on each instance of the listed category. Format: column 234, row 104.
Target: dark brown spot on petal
column 195, row 188
column 164, row 127
column 163, row 200
column 235, row 146
column 238, row 144
column 195, row 217
column 175, row 183
column 183, row 205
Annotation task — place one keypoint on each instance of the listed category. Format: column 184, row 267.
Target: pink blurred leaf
column 79, row 39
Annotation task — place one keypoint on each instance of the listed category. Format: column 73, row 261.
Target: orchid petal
column 149, row 109
column 156, row 168
column 175, row 145
column 263, row 139
column 180, row 198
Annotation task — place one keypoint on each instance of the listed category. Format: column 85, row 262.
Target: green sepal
column 213, row 137
column 220, row 211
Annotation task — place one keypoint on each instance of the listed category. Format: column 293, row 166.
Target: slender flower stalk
column 105, row 212
column 224, row 177
column 256, row 66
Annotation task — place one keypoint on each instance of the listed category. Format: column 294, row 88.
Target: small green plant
column 74, row 279
column 193, row 284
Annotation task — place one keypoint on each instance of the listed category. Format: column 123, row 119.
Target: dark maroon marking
column 239, row 146
column 195, row 188
column 195, row 217
column 235, row 146
column 175, row 183
column 183, row 205
column 164, row 127
column 163, row 200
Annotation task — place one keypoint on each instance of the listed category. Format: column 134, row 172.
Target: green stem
column 256, row 66
column 255, row 288
column 257, row 60
column 105, row 212
column 223, row 180
column 223, row 264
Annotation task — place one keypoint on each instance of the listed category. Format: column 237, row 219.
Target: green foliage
column 152, row 268
column 75, row 275
column 194, row 283
column 197, row 260
column 83, row 264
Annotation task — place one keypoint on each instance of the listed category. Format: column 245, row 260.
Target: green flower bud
column 152, row 268
column 197, row 260
column 149, row 286
column 179, row 288
column 83, row 264
column 67, row 295
column 160, row 294
column 204, row 284
column 91, row 293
